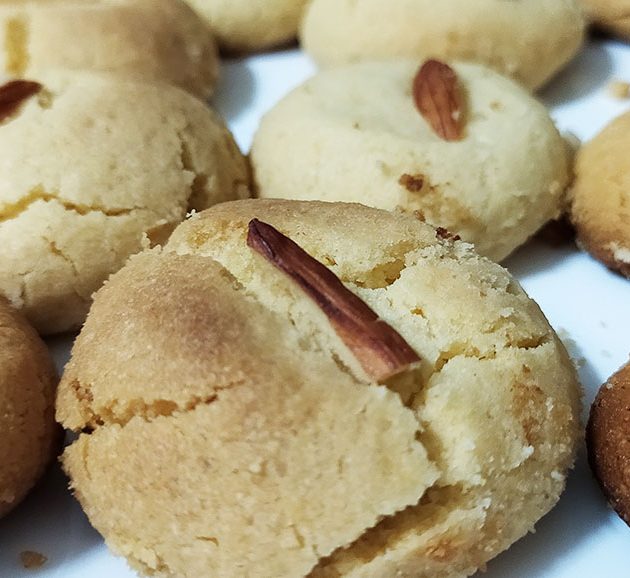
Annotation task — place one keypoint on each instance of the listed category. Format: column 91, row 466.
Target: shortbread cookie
column 95, row 167
column 29, row 436
column 246, row 25
column 354, row 133
column 611, row 15
column 400, row 408
column 152, row 39
column 601, row 196
column 608, row 440
column 529, row 40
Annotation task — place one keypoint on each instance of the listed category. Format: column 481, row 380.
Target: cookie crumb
column 445, row 234
column 413, row 183
column 32, row 560
column 619, row 89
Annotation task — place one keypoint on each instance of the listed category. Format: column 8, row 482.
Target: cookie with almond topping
column 96, row 167
column 161, row 40
column 315, row 389
column 29, row 436
column 600, row 204
column 467, row 149
column 527, row 40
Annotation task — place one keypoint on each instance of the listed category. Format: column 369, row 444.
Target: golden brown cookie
column 29, row 436
column 610, row 15
column 151, row 39
column 600, row 207
column 240, row 418
column 608, row 440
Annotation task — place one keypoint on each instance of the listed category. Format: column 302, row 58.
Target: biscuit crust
column 600, row 206
column 252, row 442
column 29, row 436
column 608, row 440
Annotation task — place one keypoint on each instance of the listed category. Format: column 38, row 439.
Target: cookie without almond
column 29, row 436
column 529, row 40
column 610, row 15
column 160, row 40
column 229, row 427
column 608, row 440
column 96, row 167
column 600, row 206
column 248, row 25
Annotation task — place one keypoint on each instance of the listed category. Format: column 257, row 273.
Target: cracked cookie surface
column 354, row 134
column 99, row 166
column 529, row 40
column 252, row 442
column 160, row 40
column 29, row 436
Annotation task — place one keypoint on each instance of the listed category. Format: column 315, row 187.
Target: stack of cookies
column 334, row 379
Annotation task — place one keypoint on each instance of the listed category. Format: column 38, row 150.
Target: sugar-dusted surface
column 588, row 305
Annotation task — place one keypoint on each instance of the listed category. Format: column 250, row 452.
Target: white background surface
column 588, row 305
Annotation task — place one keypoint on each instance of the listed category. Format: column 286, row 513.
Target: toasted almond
column 439, row 98
column 379, row 348
column 14, row 93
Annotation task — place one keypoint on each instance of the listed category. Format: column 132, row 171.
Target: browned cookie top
column 608, row 439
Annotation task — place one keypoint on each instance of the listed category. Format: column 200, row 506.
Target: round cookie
column 527, row 39
column 152, row 39
column 610, row 15
column 600, row 207
column 95, row 167
column 29, row 436
column 354, row 134
column 243, row 25
column 250, row 437
column 608, row 440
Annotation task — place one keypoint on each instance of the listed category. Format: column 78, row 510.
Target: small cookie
column 354, row 133
column 600, row 208
column 243, row 415
column 244, row 26
column 94, row 164
column 610, row 15
column 152, row 39
column 527, row 39
column 29, row 436
column 608, row 440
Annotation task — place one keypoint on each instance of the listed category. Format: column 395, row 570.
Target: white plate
column 588, row 305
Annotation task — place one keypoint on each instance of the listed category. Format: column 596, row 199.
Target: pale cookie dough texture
column 248, row 25
column 230, row 432
column 601, row 196
column 354, row 134
column 611, row 15
column 95, row 167
column 29, row 436
column 527, row 39
column 152, row 39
